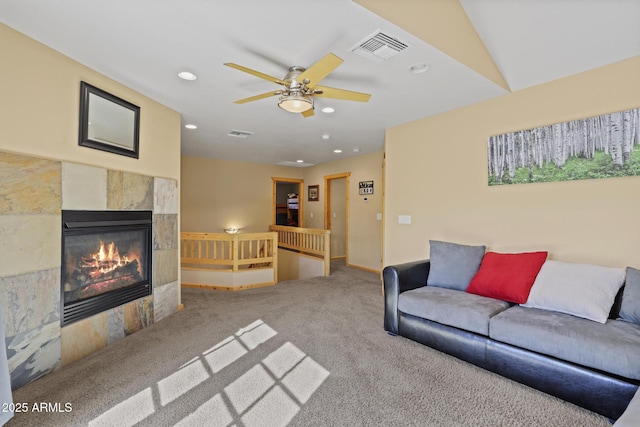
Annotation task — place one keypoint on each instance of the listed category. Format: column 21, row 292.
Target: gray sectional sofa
column 591, row 364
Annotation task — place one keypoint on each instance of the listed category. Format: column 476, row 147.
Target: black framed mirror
column 108, row 123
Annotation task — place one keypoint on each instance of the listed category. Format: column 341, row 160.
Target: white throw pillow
column 582, row 290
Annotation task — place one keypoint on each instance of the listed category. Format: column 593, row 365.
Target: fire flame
column 106, row 259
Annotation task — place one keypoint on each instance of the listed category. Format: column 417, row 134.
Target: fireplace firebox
column 106, row 260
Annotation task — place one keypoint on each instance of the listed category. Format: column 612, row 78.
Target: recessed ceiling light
column 186, row 75
column 328, row 110
column 299, row 161
column 419, row 68
column 337, row 151
column 326, row 136
column 191, row 126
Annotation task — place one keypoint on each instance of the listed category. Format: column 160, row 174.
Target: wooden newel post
column 327, row 253
column 274, row 254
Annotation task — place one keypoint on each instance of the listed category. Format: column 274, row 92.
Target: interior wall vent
column 379, row 47
column 240, row 133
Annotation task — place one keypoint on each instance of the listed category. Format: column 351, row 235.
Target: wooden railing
column 233, row 250
column 310, row 241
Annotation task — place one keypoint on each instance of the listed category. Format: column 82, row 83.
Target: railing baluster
column 310, row 241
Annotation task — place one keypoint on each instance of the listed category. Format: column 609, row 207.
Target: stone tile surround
column 33, row 193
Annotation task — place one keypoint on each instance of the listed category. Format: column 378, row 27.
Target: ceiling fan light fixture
column 295, row 103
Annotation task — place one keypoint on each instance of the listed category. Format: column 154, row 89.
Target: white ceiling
column 145, row 43
column 536, row 41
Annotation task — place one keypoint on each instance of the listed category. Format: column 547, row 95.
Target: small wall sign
column 365, row 187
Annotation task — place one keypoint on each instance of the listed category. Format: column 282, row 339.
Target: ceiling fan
column 300, row 86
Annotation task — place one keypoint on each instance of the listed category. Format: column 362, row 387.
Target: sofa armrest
column 631, row 416
column 397, row 279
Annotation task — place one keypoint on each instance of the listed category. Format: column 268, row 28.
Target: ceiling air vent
column 240, row 133
column 295, row 164
column 379, row 47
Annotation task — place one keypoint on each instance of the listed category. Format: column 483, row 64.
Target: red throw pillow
column 508, row 277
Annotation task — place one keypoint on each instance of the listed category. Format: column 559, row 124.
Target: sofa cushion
column 630, row 309
column 612, row 347
column 452, row 308
column 453, row 265
column 582, row 290
column 508, row 277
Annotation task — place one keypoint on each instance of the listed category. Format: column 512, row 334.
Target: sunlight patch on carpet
column 222, row 356
column 269, row 393
column 248, row 388
column 212, row 413
column 256, row 334
column 275, row 409
column 180, row 382
column 127, row 413
column 305, row 379
column 283, row 359
column 273, row 396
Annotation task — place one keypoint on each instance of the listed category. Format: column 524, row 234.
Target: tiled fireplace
column 35, row 196
column 106, row 261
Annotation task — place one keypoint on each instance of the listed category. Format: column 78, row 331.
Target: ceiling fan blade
column 308, row 113
column 331, row 92
column 256, row 73
column 320, row 70
column 257, row 97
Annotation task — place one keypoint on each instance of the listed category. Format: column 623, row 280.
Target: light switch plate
column 379, row 216
column 404, row 219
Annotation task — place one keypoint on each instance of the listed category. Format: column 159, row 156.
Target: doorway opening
column 287, row 202
column 336, row 213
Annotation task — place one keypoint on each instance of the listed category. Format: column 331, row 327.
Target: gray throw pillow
column 453, row 265
column 630, row 309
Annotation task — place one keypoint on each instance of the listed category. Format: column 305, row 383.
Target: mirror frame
column 123, row 149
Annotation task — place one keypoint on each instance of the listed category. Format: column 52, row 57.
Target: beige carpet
column 302, row 353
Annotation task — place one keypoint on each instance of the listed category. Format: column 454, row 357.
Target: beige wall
column 436, row 171
column 217, row 194
column 365, row 231
column 39, row 109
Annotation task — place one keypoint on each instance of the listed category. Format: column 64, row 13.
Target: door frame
column 300, row 182
column 327, row 206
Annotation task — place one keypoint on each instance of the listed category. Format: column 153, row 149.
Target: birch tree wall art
column 597, row 147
